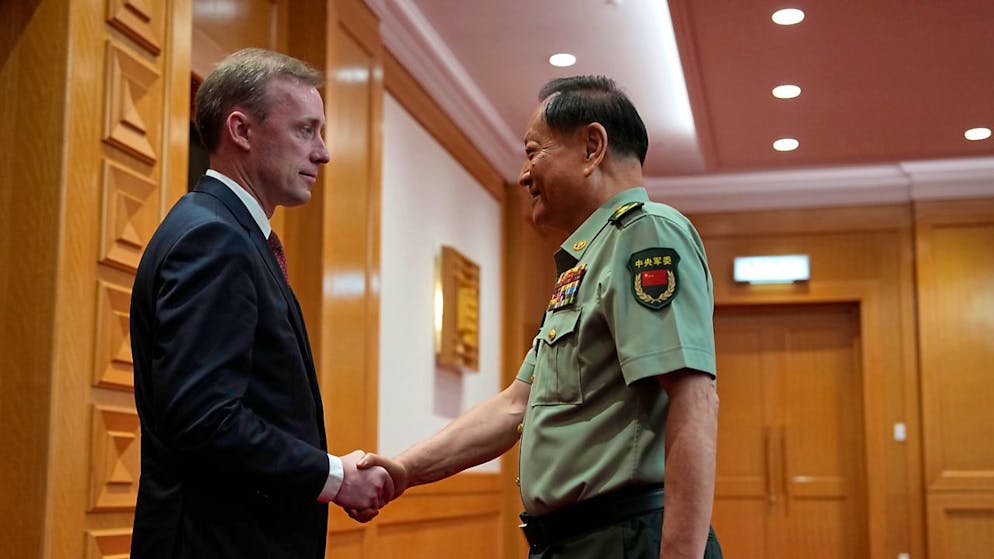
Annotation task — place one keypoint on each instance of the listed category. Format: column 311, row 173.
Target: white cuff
column 336, row 473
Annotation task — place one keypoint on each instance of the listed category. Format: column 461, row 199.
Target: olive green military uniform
column 633, row 300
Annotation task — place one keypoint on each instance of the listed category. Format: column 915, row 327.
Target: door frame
column 866, row 295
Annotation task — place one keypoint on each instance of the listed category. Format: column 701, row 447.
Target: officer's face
column 552, row 173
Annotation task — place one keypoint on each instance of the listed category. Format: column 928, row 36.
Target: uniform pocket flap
column 559, row 324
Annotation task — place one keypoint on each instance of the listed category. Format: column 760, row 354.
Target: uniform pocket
column 557, row 368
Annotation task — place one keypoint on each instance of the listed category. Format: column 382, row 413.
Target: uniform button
column 517, row 481
column 521, row 427
column 531, row 379
column 552, row 333
column 579, row 245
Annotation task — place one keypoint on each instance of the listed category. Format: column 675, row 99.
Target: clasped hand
column 369, row 483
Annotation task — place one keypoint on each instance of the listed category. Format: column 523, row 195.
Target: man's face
column 552, row 173
column 288, row 147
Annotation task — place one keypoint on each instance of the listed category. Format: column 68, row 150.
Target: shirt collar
column 251, row 204
column 572, row 249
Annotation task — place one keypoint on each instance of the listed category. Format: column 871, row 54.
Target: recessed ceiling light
column 977, row 134
column 786, row 91
column 788, row 16
column 786, row 144
column 562, row 59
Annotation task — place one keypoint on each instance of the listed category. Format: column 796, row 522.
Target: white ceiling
column 889, row 88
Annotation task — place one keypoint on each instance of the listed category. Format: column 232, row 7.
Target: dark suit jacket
column 232, row 448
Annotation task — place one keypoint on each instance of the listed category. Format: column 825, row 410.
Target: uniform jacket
column 233, row 443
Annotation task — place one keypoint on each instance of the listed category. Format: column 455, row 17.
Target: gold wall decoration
column 457, row 311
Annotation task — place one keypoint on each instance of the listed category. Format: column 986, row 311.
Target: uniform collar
column 571, row 251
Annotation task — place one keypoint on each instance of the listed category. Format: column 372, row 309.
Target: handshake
column 369, row 482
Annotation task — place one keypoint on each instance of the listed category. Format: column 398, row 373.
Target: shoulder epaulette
column 624, row 210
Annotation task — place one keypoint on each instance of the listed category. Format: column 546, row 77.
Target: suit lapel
column 217, row 189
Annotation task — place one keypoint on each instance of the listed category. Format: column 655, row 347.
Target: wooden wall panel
column 221, row 27
column 960, row 526
column 458, row 517
column 349, row 260
column 115, row 464
column 954, row 273
column 346, row 545
column 130, row 215
column 464, row 536
column 235, row 25
column 955, row 270
column 334, row 239
column 142, row 22
column 129, row 91
column 108, row 544
column 33, row 66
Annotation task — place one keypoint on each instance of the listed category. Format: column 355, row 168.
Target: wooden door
column 790, row 447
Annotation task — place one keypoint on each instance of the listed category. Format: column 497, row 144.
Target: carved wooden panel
column 129, row 216
column 116, row 461
column 141, row 20
column 114, row 366
column 108, row 544
column 132, row 105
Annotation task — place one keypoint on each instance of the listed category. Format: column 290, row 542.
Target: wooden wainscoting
column 455, row 518
column 960, row 526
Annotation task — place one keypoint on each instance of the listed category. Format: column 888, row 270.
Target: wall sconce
column 772, row 269
column 457, row 311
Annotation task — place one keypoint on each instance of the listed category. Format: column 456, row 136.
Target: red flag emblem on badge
column 654, row 277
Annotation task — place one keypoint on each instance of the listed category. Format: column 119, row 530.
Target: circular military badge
column 654, row 276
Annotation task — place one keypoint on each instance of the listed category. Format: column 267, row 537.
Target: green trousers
column 635, row 538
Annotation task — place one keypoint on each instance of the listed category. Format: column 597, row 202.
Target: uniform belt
column 589, row 515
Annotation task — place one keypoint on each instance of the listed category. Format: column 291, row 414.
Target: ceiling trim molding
column 840, row 186
column 418, row 47
column 951, row 178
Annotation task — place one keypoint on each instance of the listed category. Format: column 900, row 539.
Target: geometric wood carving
column 135, row 19
column 114, row 367
column 131, row 116
column 115, row 459
column 129, row 216
column 108, row 544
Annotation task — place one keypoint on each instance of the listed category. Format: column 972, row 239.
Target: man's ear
column 236, row 126
column 595, row 137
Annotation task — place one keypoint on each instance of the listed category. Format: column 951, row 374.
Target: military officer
column 616, row 398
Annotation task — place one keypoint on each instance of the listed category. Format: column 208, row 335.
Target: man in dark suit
column 233, row 442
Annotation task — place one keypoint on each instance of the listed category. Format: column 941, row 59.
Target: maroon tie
column 277, row 246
